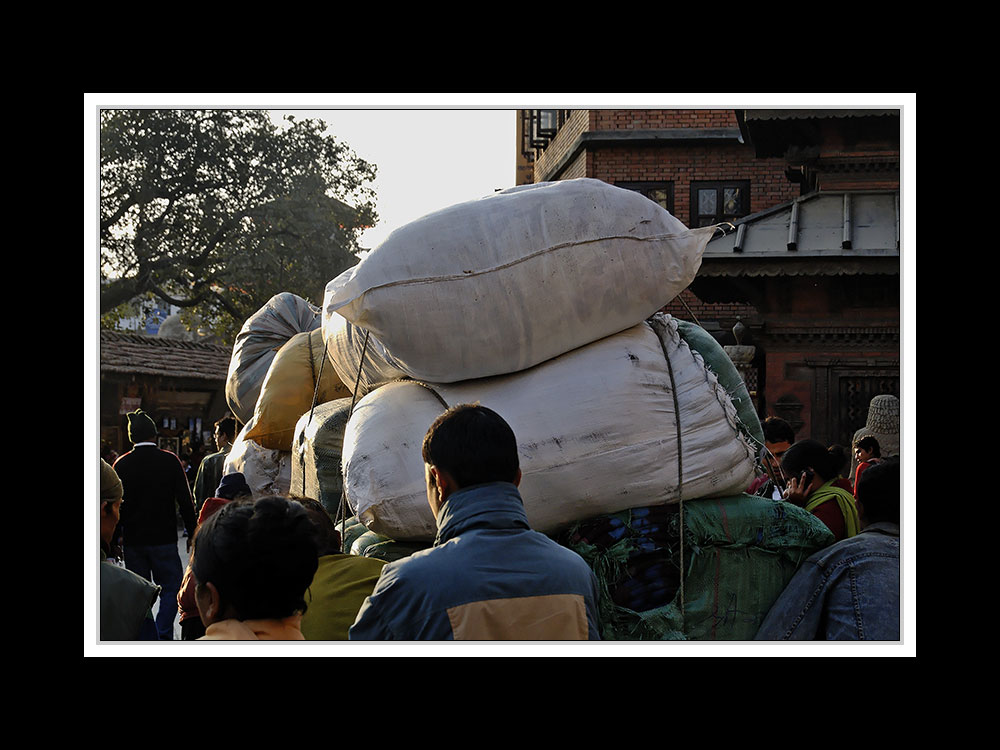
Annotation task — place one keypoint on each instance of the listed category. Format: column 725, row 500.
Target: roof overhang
column 778, row 132
column 828, row 234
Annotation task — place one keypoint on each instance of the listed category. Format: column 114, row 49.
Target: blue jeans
column 160, row 564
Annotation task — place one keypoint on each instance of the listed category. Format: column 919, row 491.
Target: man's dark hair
column 327, row 536
column 260, row 554
column 777, row 430
column 227, row 426
column 878, row 491
column 869, row 443
column 473, row 444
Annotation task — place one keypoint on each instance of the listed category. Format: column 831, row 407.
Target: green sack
column 316, row 449
column 738, row 555
column 350, row 529
column 373, row 544
column 729, row 377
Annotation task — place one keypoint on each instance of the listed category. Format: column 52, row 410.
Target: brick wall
column 641, row 119
column 683, row 165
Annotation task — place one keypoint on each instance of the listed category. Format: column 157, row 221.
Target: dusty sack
column 290, row 386
column 597, row 432
column 501, row 284
column 257, row 343
column 317, row 448
column 268, row 472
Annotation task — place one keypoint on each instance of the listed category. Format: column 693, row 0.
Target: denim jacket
column 847, row 591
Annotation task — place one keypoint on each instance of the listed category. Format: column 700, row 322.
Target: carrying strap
column 341, row 514
column 661, row 331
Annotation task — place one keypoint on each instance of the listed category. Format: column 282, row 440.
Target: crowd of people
column 272, row 567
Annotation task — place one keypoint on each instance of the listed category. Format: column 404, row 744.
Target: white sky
column 427, row 159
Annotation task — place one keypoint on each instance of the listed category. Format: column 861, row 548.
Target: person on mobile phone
column 812, row 471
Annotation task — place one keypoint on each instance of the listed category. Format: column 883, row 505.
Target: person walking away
column 154, row 489
column 489, row 576
column 849, row 590
column 210, row 469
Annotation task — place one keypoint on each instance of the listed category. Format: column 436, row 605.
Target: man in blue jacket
column 489, row 576
column 848, row 591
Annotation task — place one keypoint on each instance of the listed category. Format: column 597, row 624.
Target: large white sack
column 596, row 431
column 257, row 343
column 349, row 351
column 267, row 471
column 503, row 283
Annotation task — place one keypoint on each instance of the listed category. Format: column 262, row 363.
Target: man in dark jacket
column 489, row 576
column 210, row 470
column 154, row 489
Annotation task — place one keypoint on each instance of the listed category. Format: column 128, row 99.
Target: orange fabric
column 555, row 617
column 287, row 629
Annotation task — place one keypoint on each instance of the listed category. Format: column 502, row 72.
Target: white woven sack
column 503, row 283
column 267, row 471
column 257, row 343
column 348, row 350
column 596, row 431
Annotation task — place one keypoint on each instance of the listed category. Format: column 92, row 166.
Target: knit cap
column 140, row 426
column 232, row 486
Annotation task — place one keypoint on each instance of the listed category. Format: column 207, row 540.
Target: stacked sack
column 541, row 303
column 278, row 370
column 635, row 419
column 738, row 554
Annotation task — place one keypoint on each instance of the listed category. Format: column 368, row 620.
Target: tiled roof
column 138, row 353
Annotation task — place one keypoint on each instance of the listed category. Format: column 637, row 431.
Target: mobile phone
column 807, row 477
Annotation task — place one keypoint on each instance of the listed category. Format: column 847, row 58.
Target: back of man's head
column 226, row 427
column 141, row 427
column 878, row 492
column 473, row 444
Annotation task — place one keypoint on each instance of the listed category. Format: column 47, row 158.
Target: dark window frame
column 698, row 219
column 645, row 187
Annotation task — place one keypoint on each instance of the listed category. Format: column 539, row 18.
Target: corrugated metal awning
column 812, row 114
column 836, row 233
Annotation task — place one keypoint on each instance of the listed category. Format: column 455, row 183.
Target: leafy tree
column 216, row 211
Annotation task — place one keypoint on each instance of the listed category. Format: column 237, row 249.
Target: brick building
column 820, row 311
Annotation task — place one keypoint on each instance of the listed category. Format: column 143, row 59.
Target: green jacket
column 339, row 588
column 126, row 600
column 206, row 481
